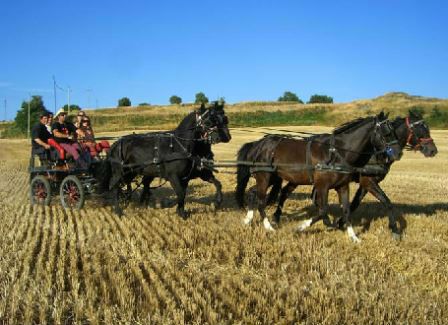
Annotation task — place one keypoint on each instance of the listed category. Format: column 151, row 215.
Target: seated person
column 79, row 117
column 63, row 135
column 40, row 136
column 87, row 138
column 49, row 123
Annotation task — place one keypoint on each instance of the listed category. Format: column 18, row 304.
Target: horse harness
column 331, row 164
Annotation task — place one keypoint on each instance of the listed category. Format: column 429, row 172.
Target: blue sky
column 239, row 50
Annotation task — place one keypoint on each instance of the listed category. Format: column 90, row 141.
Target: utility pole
column 29, row 109
column 68, row 99
column 54, row 89
column 5, row 110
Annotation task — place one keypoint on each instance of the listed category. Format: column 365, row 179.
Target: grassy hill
column 254, row 114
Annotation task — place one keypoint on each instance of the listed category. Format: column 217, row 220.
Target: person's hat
column 61, row 111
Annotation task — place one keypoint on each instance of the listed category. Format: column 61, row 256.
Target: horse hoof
column 267, row 225
column 355, row 240
column 396, row 236
column 304, row 225
column 184, row 215
column 352, row 235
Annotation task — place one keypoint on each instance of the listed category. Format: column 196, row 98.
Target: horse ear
column 381, row 115
column 387, row 114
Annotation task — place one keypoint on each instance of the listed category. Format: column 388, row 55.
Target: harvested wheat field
column 150, row 267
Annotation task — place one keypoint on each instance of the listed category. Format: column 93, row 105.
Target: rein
column 411, row 133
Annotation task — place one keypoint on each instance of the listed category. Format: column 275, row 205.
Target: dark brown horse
column 411, row 131
column 309, row 161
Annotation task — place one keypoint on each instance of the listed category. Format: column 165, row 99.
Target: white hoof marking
column 352, row 235
column 305, row 225
column 267, row 225
column 249, row 217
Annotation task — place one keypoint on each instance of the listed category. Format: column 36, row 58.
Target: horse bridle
column 411, row 133
column 206, row 132
column 386, row 131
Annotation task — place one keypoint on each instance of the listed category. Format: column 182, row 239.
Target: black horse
column 174, row 155
column 202, row 150
column 327, row 161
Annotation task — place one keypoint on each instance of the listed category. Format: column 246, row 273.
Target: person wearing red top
column 63, row 135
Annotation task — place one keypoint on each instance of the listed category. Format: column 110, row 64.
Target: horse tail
column 243, row 173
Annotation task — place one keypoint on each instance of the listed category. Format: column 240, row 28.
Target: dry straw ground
column 81, row 267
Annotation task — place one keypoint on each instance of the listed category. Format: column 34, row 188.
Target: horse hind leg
column 322, row 203
column 251, row 203
column 208, row 176
column 180, row 189
column 286, row 191
column 345, row 200
column 144, row 196
column 262, row 187
column 116, row 192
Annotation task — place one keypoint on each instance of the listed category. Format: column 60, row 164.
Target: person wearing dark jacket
column 39, row 138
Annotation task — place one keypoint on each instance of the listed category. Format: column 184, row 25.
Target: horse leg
column 262, row 188
column 345, row 200
column 144, row 196
column 275, row 190
column 208, row 176
column 359, row 195
column 376, row 191
column 250, row 205
column 181, row 189
column 321, row 200
column 116, row 192
column 286, row 190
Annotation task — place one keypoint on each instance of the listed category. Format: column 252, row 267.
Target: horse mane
column 186, row 124
column 397, row 122
column 351, row 125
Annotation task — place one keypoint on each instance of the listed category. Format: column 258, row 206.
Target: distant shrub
column 124, row 102
column 72, row 108
column 417, row 110
column 144, row 104
column 200, row 98
column 290, row 97
column 320, row 99
column 175, row 100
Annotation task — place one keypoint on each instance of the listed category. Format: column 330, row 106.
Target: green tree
column 320, row 99
column 124, row 102
column 175, row 100
column 36, row 106
column 201, row 98
column 418, row 110
column 72, row 108
column 290, row 97
column 144, row 104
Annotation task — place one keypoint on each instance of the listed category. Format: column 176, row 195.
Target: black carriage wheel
column 40, row 190
column 71, row 193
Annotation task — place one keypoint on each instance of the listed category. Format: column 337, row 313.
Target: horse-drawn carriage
column 52, row 176
column 326, row 161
